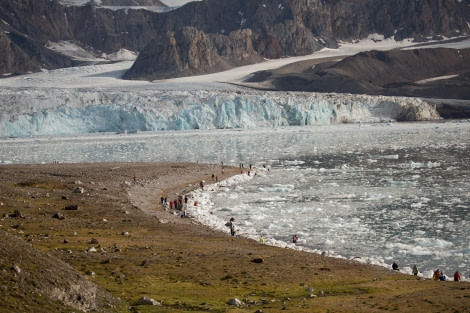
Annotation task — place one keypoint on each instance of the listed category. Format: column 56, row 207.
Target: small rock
column 91, row 249
column 17, row 214
column 94, row 241
column 71, row 207
column 59, row 216
column 125, row 233
column 235, row 302
column 64, row 198
column 90, row 273
column 79, row 190
column 147, row 301
column 16, row 268
column 257, row 260
column 311, row 296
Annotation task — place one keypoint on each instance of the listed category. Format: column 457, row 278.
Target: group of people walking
column 176, row 204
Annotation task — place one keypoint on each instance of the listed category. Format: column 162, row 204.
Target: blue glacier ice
column 73, row 111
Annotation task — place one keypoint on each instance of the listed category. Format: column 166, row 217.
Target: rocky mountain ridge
column 212, row 35
column 436, row 73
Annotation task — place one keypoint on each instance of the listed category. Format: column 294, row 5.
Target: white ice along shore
column 60, row 111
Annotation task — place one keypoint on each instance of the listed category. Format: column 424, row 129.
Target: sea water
column 376, row 193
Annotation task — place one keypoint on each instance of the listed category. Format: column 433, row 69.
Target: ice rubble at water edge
column 64, row 111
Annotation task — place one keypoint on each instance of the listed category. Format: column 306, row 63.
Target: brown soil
column 144, row 250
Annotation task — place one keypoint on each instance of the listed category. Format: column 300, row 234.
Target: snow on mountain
column 78, row 53
column 170, row 3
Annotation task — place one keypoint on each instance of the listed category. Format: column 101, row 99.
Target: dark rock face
column 288, row 28
column 191, row 52
column 219, row 33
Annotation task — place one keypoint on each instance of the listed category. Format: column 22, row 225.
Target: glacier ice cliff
column 62, row 111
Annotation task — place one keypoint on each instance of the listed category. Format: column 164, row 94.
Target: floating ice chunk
column 401, row 183
column 428, row 164
column 294, row 162
column 386, row 157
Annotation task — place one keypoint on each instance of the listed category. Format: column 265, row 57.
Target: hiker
column 395, row 266
column 415, row 270
column 295, row 238
column 442, row 277
column 231, row 225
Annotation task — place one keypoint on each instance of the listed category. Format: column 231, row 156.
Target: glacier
column 74, row 111
column 94, row 99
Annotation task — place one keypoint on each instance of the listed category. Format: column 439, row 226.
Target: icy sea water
column 377, row 192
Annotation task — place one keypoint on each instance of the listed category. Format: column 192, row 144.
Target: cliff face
column 290, row 28
column 211, row 35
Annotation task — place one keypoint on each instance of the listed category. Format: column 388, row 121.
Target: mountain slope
column 50, row 284
column 438, row 73
column 278, row 29
column 290, row 28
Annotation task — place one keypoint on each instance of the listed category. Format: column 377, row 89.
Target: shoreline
column 161, row 257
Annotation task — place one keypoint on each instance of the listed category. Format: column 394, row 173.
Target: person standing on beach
column 230, row 224
column 415, row 270
column 457, row 276
column 295, row 238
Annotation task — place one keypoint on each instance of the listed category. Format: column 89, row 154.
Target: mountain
column 285, row 28
column 210, row 35
column 426, row 72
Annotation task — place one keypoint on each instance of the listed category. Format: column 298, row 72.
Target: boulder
column 71, row 207
column 235, row 302
column 59, row 216
column 147, row 301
